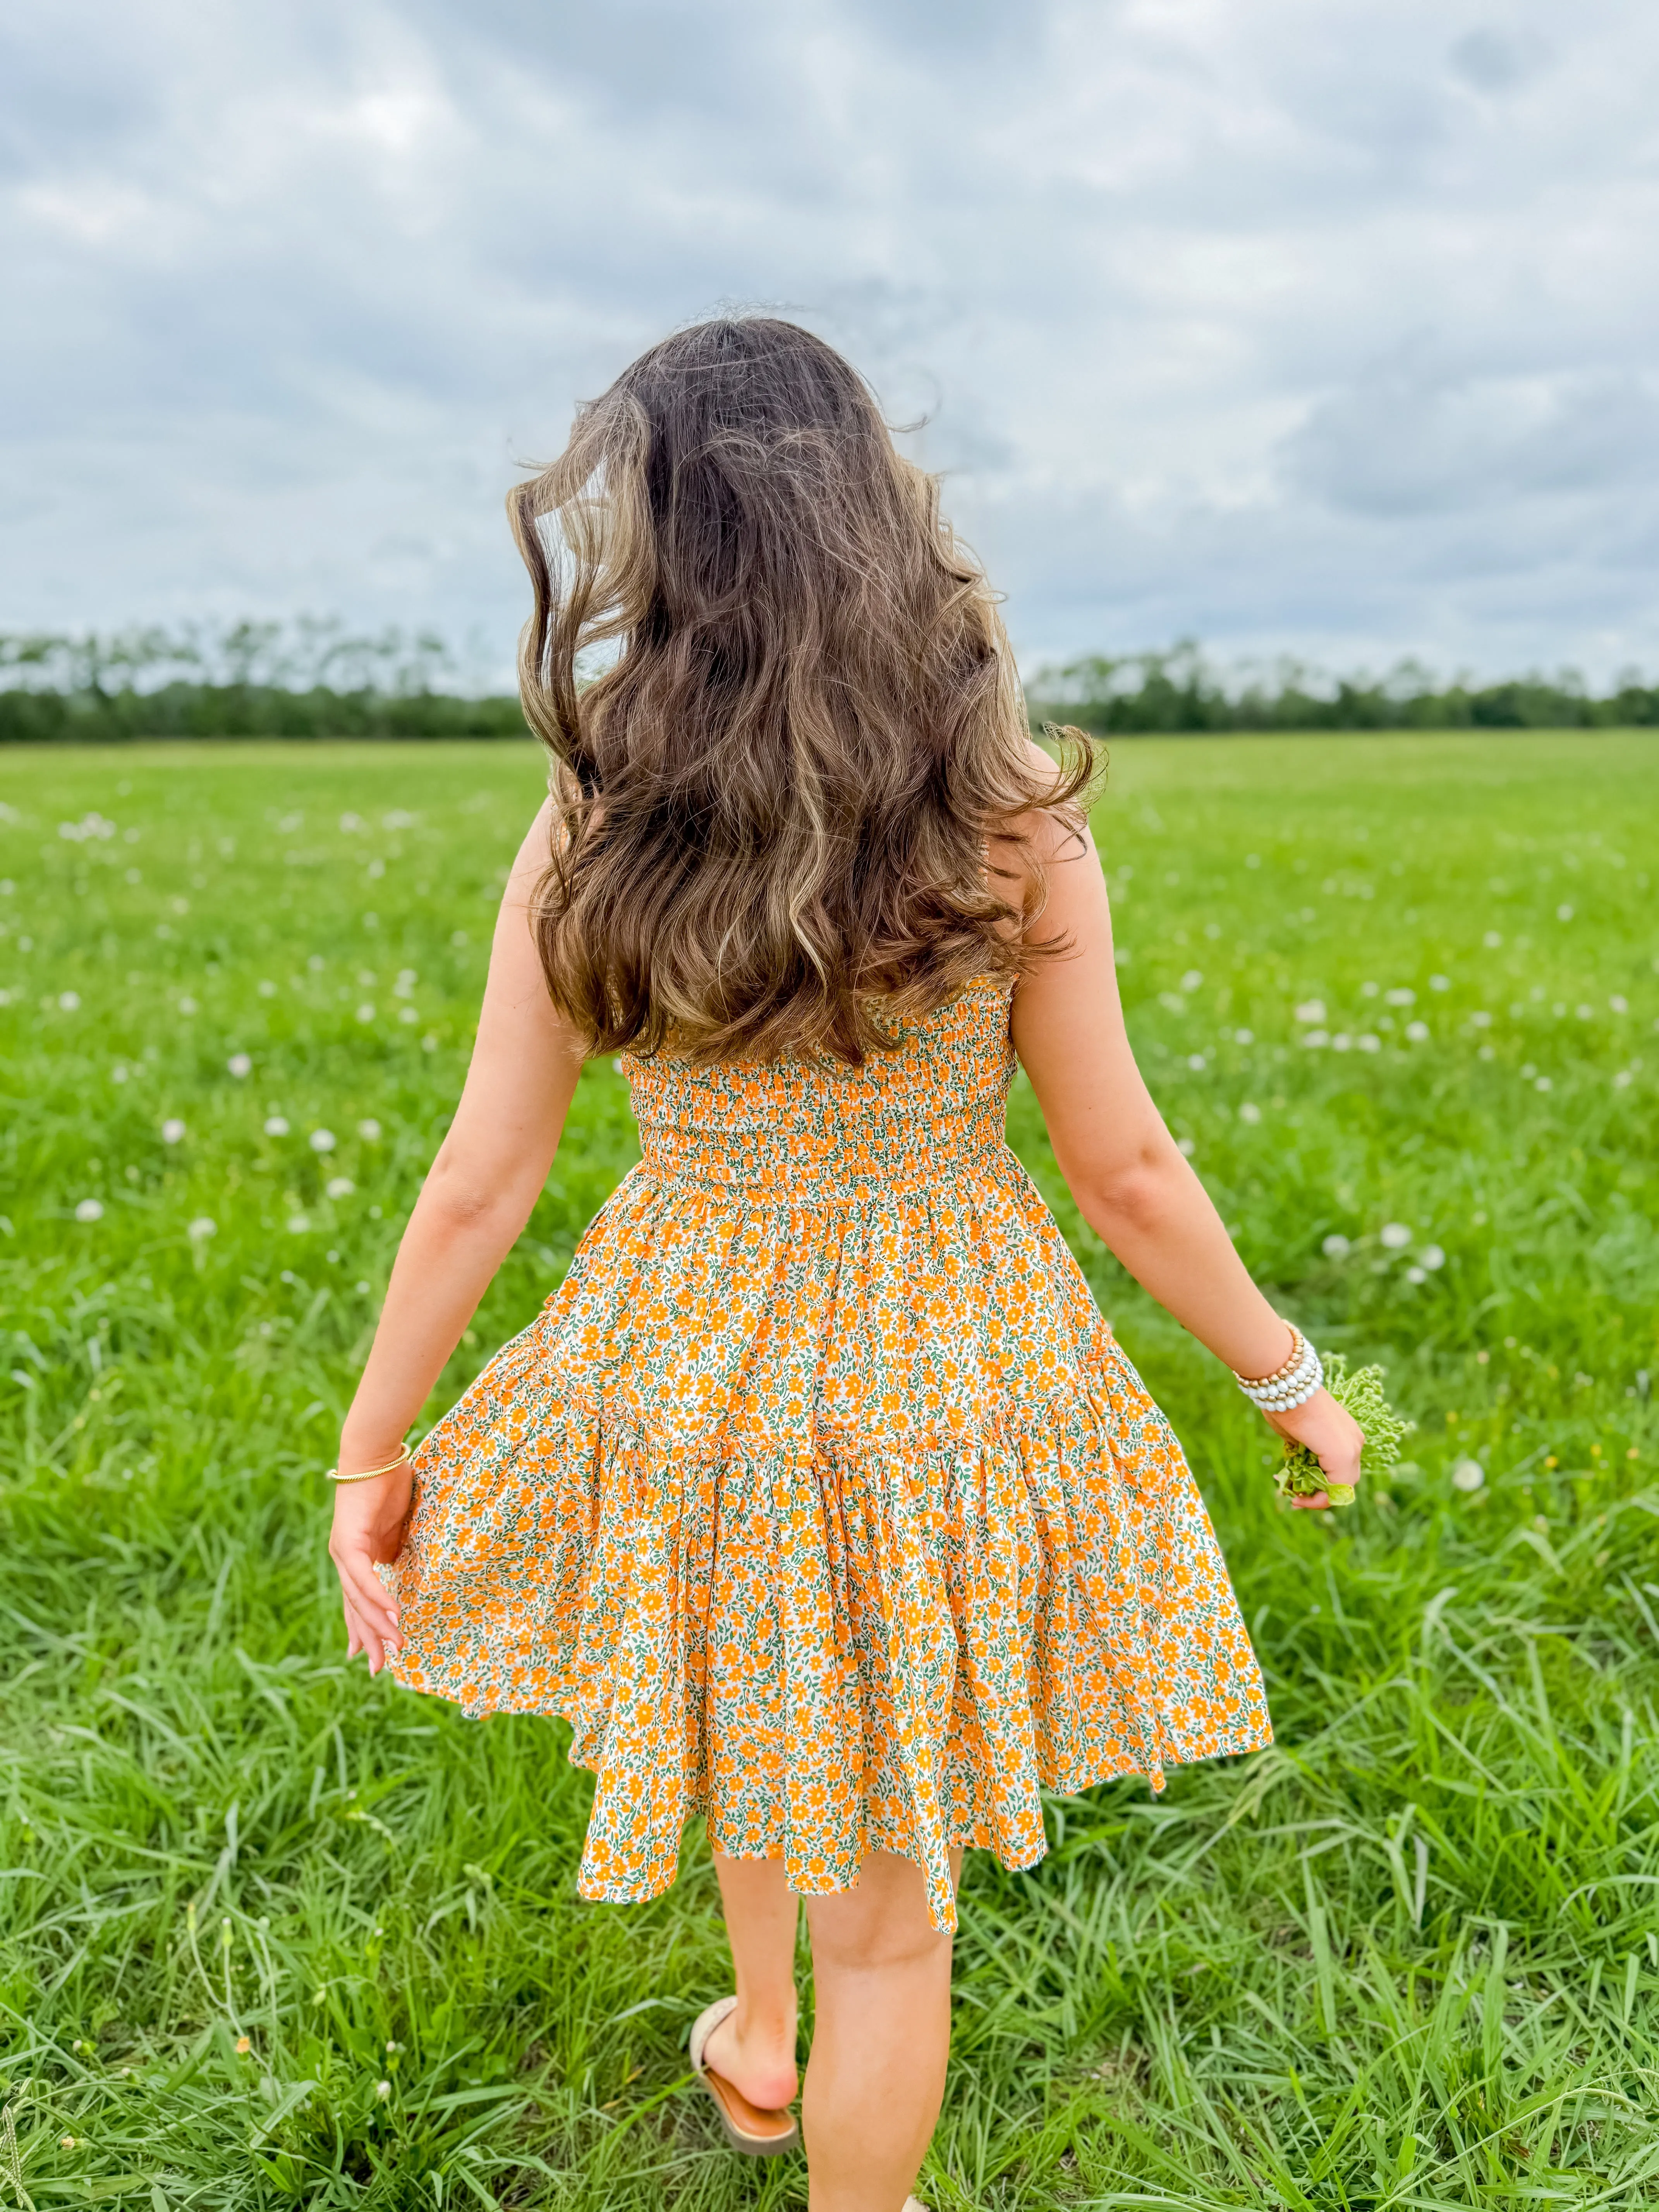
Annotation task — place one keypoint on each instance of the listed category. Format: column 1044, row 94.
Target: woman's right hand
column 368, row 1530
column 1330, row 1434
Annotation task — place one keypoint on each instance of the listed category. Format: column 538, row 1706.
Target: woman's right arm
column 1130, row 1180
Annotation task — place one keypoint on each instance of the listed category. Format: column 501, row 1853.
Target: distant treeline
column 1180, row 692
column 303, row 679
column 311, row 679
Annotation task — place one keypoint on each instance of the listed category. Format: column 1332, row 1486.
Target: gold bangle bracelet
column 368, row 1473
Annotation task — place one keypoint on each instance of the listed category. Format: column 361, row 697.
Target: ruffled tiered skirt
column 845, row 1523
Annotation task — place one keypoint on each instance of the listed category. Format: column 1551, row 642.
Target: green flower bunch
column 1361, row 1394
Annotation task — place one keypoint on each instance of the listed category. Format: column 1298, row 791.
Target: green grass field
column 270, row 1932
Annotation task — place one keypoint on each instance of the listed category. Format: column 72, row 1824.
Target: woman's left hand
column 1330, row 1434
column 367, row 1531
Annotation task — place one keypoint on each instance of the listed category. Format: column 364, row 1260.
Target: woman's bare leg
column 876, row 2078
column 754, row 2049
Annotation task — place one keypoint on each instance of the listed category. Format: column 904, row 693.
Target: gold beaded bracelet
column 1267, row 1381
column 369, row 1472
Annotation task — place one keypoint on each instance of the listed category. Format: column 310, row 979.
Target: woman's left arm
column 488, row 1175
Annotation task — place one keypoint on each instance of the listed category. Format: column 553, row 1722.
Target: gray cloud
column 1290, row 326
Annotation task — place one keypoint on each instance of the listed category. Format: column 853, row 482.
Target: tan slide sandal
column 756, row 2133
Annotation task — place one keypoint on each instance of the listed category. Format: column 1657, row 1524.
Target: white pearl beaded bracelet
column 1292, row 1384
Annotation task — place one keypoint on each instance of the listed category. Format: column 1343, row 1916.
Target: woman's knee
column 882, row 1923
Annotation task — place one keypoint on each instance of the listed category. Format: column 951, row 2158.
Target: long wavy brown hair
column 774, row 802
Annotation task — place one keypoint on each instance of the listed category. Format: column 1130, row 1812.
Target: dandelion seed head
column 173, row 1130
column 239, row 1066
column 322, row 1140
column 1469, row 1475
column 1394, row 1236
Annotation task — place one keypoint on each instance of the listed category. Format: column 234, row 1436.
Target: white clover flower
column 202, row 1227
column 1618, row 1004
column 1310, row 1009
column 1369, row 990
column 1243, row 1037
column 298, row 1224
column 173, row 1130
column 350, row 822
column 407, row 1014
column 1431, row 1257
column 1481, row 1021
column 1196, row 1061
column 276, row 1125
column 1342, row 1041
column 1186, row 1145
column 1623, row 1080
column 1193, row 978
column 1314, row 1038
column 89, row 1209
column 1415, row 1275
column 118, row 1073
column 1401, row 996
column 1121, row 956
column 1249, row 1112
column 1393, row 1236
column 1417, row 1032
column 322, row 1140
column 340, row 1185
column 1336, row 1246
column 407, row 979
column 369, row 1129
column 383, row 2089
column 1564, row 913
column 267, row 989
column 188, row 1007
column 365, row 1012
column 1492, row 939
column 1367, row 1042
column 1440, row 983
column 1583, row 1013
column 1469, row 1475
column 1543, row 1083
column 239, row 1065
column 316, row 963
column 69, row 1000
column 428, row 1043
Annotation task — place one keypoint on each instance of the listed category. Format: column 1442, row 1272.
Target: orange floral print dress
column 819, row 1498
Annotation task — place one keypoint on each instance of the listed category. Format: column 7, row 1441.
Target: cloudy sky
column 1320, row 325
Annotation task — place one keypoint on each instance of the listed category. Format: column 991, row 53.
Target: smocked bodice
column 822, row 1130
